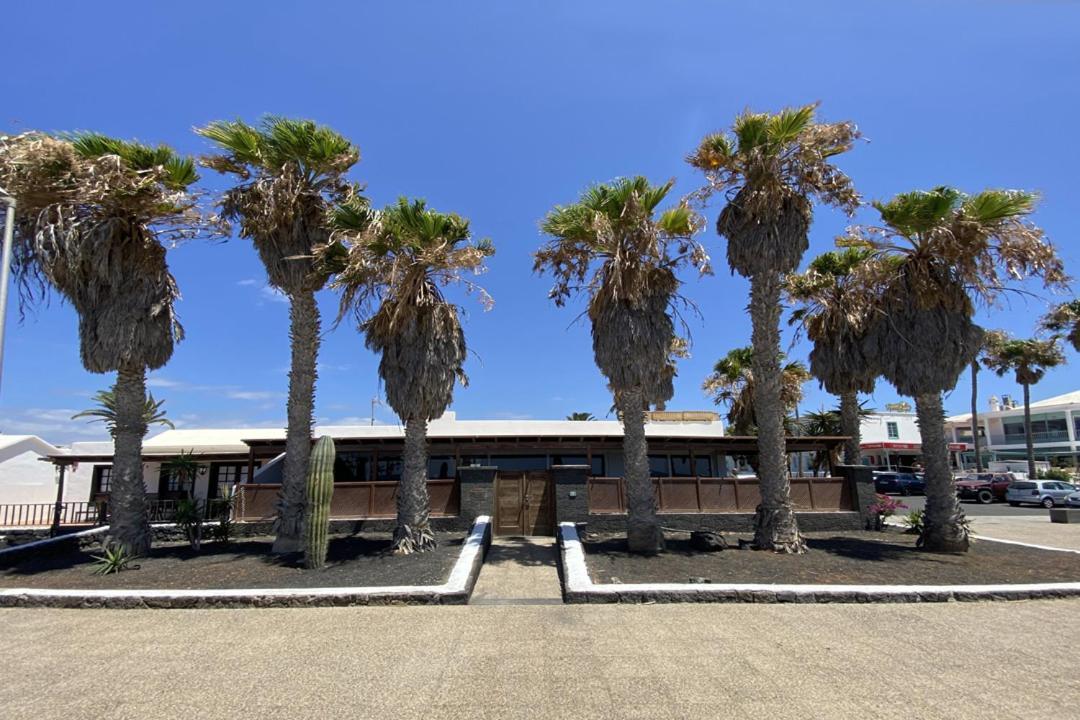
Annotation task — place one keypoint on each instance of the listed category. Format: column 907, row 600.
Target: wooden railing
column 42, row 514
column 607, row 495
column 351, row 500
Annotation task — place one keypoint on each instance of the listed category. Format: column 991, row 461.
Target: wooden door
column 524, row 503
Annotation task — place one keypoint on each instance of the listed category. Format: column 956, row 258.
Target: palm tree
column 938, row 254
column 826, row 423
column 770, row 170
column 390, row 267
column 290, row 173
column 580, row 416
column 991, row 340
column 105, row 411
column 95, row 215
column 1029, row 360
column 1064, row 321
column 611, row 247
column 835, row 310
column 732, row 383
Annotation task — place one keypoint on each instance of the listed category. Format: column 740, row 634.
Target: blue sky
column 500, row 110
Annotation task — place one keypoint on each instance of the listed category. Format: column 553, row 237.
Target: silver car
column 1047, row 493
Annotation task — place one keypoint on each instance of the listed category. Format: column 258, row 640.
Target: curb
column 455, row 591
column 579, row 588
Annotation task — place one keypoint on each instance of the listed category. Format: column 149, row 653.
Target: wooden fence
column 351, row 500
column 607, row 495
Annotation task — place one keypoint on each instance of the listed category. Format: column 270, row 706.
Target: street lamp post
column 5, row 267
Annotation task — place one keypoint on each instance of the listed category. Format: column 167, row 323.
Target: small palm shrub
column 223, row 531
column 189, row 516
column 914, row 522
column 1061, row 474
column 113, row 559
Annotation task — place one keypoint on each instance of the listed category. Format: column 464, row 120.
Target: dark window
column 171, row 481
column 680, row 466
column 658, row 466
column 520, row 462
column 597, row 465
column 703, row 466
column 388, row 468
column 351, row 467
column 102, row 480
column 441, row 468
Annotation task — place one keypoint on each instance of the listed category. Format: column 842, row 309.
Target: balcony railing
column 1036, row 437
column 93, row 513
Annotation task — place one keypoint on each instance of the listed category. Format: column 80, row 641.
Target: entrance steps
column 519, row 571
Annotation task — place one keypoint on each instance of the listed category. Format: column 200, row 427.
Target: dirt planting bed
column 840, row 558
column 353, row 561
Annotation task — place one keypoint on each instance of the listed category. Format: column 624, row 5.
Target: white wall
column 873, row 428
column 24, row 478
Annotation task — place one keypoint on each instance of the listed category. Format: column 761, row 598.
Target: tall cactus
column 320, row 488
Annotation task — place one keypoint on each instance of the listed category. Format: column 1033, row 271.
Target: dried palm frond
column 1064, row 321
column 770, row 168
column 836, row 305
column 612, row 247
column 940, row 253
column 291, row 173
column 95, row 213
column 390, row 267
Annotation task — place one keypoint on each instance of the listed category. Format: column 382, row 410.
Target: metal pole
column 5, row 270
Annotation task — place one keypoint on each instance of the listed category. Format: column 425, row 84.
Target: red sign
column 891, row 446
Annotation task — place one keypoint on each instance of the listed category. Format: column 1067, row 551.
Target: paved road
column 974, row 509
column 542, row 661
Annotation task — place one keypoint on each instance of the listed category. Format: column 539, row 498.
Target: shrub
column 114, row 559
column 883, row 508
column 189, row 516
column 223, row 531
column 914, row 521
column 1061, row 474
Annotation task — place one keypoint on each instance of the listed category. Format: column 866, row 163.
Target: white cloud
column 160, row 382
column 273, row 294
column 253, row 395
column 247, row 282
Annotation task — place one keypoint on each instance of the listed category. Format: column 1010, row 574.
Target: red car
column 984, row 487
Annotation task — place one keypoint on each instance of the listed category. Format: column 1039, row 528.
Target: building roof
column 1070, row 398
column 13, row 445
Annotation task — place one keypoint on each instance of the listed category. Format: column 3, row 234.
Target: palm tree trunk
column 775, row 527
column 849, row 426
column 129, row 526
column 1028, row 440
column 975, row 441
column 413, row 531
column 943, row 519
column 304, row 337
column 643, row 534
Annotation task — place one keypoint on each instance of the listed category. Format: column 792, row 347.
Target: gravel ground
column 840, row 558
column 352, row 561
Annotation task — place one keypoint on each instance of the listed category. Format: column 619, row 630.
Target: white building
column 1055, row 426
column 25, row 475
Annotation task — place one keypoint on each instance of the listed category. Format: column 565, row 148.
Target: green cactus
column 320, row 488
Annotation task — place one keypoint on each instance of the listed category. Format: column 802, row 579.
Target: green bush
column 113, row 559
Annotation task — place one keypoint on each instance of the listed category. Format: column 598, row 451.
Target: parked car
column 899, row 482
column 1047, row 493
column 1073, row 499
column 984, row 487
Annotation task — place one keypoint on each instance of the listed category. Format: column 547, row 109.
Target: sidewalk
column 1034, row 529
column 519, row 571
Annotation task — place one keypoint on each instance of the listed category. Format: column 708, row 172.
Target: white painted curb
column 48, row 541
column 458, row 583
column 579, row 583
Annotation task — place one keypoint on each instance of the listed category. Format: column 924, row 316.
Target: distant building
column 24, row 477
column 1055, row 426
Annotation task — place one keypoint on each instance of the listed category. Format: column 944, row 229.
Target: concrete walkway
column 712, row 662
column 1035, row 529
column 519, row 571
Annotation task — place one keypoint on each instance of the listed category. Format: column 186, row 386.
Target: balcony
column 1036, row 437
